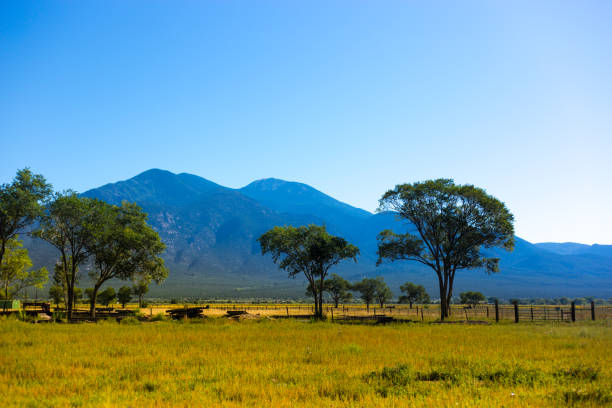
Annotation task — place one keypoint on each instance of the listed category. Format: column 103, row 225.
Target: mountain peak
column 295, row 197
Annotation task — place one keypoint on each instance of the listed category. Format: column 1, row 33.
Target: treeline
column 107, row 241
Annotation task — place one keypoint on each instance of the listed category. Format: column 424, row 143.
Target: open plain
column 222, row 362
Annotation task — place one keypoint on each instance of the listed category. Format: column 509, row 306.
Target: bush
column 160, row 317
column 130, row 320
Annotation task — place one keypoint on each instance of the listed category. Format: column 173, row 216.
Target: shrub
column 130, row 320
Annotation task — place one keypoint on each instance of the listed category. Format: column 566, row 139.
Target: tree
column 20, row 205
column 56, row 293
column 65, row 225
column 383, row 293
column 414, row 294
column 453, row 223
column 122, row 245
column 367, row 288
column 337, row 287
column 16, row 271
column 471, row 298
column 108, row 296
column 77, row 295
column 309, row 250
column 124, row 295
column 89, row 294
column 140, row 289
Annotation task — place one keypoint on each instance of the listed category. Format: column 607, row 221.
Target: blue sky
column 351, row 97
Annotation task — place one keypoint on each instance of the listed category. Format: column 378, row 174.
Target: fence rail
column 487, row 312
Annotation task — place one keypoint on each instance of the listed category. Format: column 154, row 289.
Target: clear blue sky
column 351, row 97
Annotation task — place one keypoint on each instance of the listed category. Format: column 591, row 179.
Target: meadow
column 286, row 363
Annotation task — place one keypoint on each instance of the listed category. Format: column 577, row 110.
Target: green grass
column 289, row 363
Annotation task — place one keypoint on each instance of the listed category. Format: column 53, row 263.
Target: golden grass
column 286, row 363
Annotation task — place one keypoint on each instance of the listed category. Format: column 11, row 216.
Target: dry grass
column 218, row 362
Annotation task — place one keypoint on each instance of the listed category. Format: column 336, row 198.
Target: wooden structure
column 186, row 312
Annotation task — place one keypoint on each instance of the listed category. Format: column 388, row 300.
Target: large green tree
column 66, row 225
column 20, row 205
column 309, row 250
column 122, row 246
column 453, row 224
column 16, row 271
column 413, row 294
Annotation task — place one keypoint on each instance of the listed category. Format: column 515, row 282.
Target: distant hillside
column 572, row 248
column 211, row 233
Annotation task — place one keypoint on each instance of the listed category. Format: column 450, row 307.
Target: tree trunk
column 443, row 304
column 92, row 301
column 410, row 301
column 140, row 295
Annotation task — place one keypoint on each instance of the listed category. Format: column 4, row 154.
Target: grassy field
column 219, row 362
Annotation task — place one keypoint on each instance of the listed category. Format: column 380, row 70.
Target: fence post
column 573, row 311
column 332, row 313
column 592, row 310
column 532, row 313
column 516, row 313
column 497, row 310
column 287, row 310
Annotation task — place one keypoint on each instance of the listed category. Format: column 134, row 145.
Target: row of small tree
column 106, row 297
column 109, row 241
column 370, row 290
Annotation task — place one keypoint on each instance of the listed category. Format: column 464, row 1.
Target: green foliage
column 140, row 289
column 160, row 317
column 414, row 294
column 129, row 320
column 15, row 270
column 373, row 289
column 453, row 223
column 124, row 295
column 337, row 287
column 471, row 298
column 56, row 293
column 309, row 250
column 123, row 245
column 107, row 296
column 64, row 225
column 20, row 205
column 89, row 294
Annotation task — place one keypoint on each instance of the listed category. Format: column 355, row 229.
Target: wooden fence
column 485, row 312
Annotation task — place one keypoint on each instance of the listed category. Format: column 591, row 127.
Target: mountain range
column 211, row 231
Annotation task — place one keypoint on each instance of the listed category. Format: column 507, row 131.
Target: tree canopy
column 337, row 287
column 471, row 298
column 453, row 223
column 66, row 226
column 373, row 289
column 16, row 271
column 122, row 245
column 20, row 204
column 309, row 250
column 413, row 294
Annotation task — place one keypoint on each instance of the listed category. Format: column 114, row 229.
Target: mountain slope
column 572, row 248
